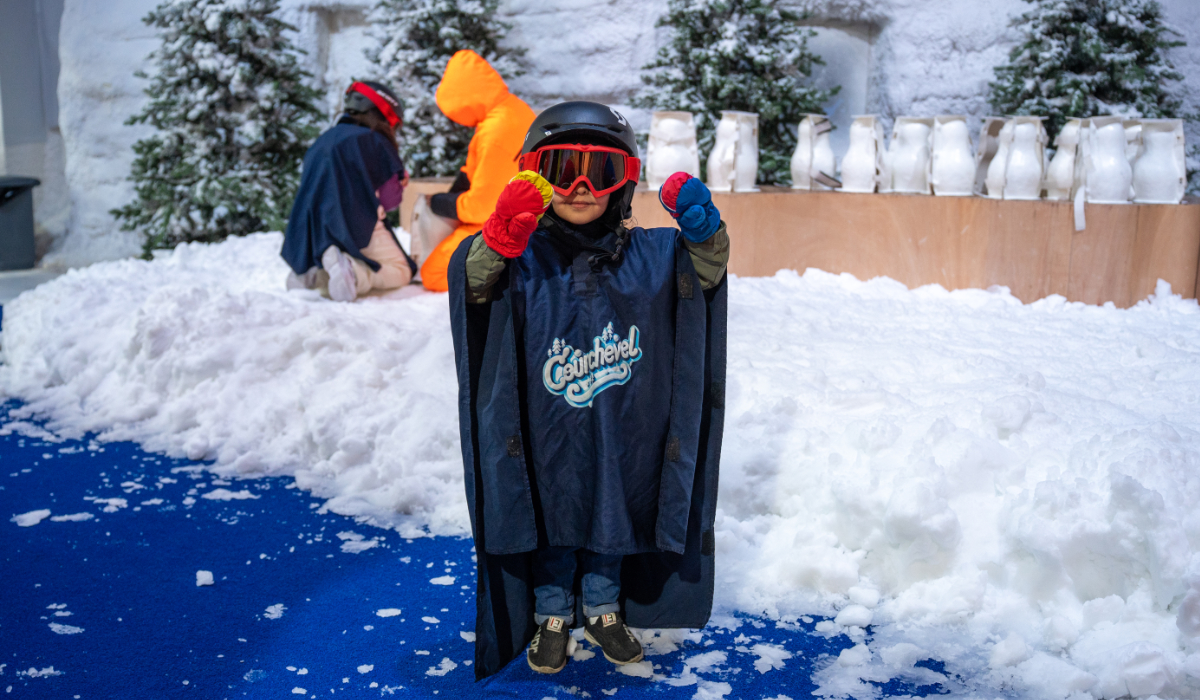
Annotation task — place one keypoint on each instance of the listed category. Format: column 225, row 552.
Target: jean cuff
column 598, row 610
column 540, row 618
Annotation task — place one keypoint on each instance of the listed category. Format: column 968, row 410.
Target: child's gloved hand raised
column 690, row 203
column 521, row 205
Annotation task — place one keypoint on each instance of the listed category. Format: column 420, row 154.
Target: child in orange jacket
column 473, row 94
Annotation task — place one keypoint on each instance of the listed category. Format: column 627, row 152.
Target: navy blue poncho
column 591, row 410
column 336, row 203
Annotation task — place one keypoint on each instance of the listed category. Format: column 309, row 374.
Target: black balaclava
column 605, row 237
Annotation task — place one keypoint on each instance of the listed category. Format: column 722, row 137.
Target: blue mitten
column 689, row 201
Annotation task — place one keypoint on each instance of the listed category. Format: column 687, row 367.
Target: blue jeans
column 554, row 582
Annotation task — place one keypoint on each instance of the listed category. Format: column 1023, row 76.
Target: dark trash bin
column 16, row 223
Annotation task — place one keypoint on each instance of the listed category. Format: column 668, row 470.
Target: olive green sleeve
column 710, row 257
column 484, row 266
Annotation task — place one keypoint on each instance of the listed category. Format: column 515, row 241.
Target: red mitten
column 669, row 193
column 518, row 210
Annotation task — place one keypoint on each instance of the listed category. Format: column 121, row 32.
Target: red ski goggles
column 603, row 169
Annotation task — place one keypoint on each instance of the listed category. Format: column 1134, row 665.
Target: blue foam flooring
column 109, row 606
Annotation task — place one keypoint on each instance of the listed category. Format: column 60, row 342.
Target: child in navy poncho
column 337, row 235
column 591, row 360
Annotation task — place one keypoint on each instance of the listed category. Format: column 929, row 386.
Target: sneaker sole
column 545, row 669
column 588, row 635
column 342, row 286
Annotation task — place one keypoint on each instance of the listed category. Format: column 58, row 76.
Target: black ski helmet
column 586, row 122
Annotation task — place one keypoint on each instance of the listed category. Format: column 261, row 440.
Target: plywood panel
column 1028, row 246
column 1101, row 255
column 1165, row 236
column 431, row 185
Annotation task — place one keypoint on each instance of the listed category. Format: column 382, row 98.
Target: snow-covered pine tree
column 233, row 118
column 749, row 55
column 1087, row 58
column 415, row 39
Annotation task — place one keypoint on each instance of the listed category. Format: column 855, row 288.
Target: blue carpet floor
column 99, row 599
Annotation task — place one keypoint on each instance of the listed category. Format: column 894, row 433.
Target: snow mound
column 1010, row 489
column 202, row 354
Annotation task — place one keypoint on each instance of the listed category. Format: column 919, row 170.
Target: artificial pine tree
column 749, row 55
column 416, row 38
column 233, row 117
column 1087, row 58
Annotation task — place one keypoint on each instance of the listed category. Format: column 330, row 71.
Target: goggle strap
column 379, row 101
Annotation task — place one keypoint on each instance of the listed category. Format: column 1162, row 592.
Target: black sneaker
column 612, row 636
column 548, row 650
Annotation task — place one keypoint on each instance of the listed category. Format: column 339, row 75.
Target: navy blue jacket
column 336, row 202
column 620, row 454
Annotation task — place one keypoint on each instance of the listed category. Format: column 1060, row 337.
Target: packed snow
column 1010, row 489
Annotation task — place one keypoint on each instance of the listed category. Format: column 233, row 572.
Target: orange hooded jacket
column 473, row 94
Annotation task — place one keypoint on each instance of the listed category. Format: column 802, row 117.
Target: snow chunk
column 442, row 581
column 770, row 656
column 353, row 543
column 111, row 505
column 712, row 690
column 72, row 518
column 854, row 616
column 467, row 636
column 64, row 629
column 854, row 656
column 903, row 655
column 299, row 691
column 430, row 620
column 366, row 668
column 866, row 597
column 47, row 672
column 1009, row 652
column 31, row 518
column 274, row 612
column 388, row 612
column 204, row 578
column 642, row 669
column 1138, row 670
column 227, row 495
column 706, row 662
column 1056, row 677
column 446, row 666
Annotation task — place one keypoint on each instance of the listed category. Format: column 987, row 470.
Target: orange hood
column 470, row 88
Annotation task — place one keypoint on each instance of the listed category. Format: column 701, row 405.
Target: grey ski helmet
column 356, row 102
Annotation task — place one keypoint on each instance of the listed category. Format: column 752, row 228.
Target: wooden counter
column 957, row 242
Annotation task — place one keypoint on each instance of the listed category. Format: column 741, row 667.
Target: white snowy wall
column 31, row 143
column 912, row 57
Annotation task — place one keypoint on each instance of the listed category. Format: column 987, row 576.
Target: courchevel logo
column 579, row 376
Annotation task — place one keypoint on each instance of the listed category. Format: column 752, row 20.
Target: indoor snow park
column 698, row 349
